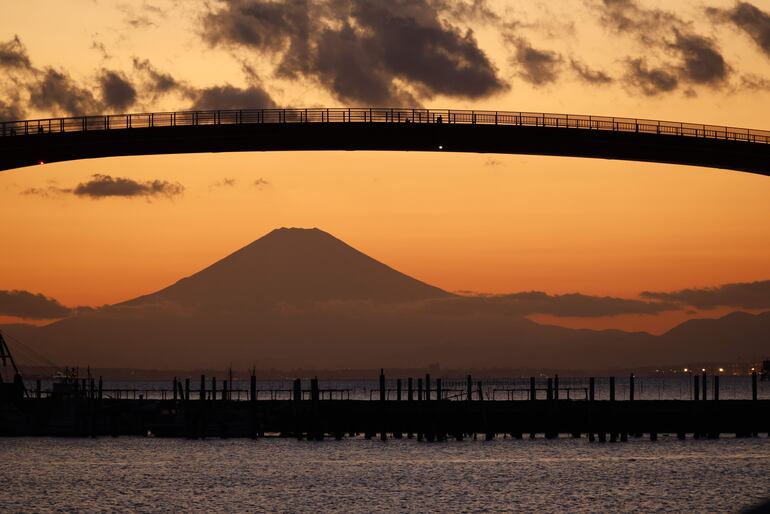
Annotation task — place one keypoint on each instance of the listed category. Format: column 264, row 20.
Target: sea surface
column 356, row 475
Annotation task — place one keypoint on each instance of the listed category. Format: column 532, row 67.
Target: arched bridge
column 31, row 142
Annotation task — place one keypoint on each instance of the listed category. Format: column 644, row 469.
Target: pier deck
column 211, row 413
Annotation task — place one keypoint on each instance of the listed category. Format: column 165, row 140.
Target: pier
column 423, row 408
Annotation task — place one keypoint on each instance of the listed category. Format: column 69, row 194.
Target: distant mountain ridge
column 301, row 298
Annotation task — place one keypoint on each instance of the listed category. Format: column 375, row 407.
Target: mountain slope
column 294, row 265
column 736, row 336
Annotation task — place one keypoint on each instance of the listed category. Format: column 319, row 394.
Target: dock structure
column 435, row 413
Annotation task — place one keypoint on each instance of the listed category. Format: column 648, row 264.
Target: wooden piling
column 213, row 388
column 704, row 389
column 631, row 384
column 398, row 389
column 556, row 387
column 716, row 387
column 201, row 425
column 427, row 386
column 383, row 433
column 419, row 389
column 754, row 385
column 38, row 393
column 224, row 390
column 591, row 389
column 314, row 391
column 612, row 389
column 297, row 390
column 316, row 433
column 532, row 390
column 174, row 386
column 409, row 390
column 696, row 387
column 549, row 391
column 468, row 388
column 253, row 405
column 187, row 389
column 480, row 390
column 438, row 389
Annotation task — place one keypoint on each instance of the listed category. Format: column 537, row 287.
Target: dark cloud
column 650, row 81
column 702, row 63
column 745, row 295
column 749, row 18
column 536, row 302
column 11, row 109
column 698, row 60
column 156, row 82
column 101, row 186
column 754, row 82
column 117, row 91
column 537, row 67
column 141, row 16
column 140, row 22
column 225, row 182
column 361, row 51
column 15, row 69
column 56, row 92
column 13, row 54
column 50, row 90
column 23, row 304
column 45, row 192
column 99, row 47
column 591, row 76
column 231, row 97
column 261, row 183
column 473, row 10
column 627, row 17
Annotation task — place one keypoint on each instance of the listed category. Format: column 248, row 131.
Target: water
column 646, row 388
column 355, row 475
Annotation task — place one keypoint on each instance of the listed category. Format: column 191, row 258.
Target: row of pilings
column 420, row 408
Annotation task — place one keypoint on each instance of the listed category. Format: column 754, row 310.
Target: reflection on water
column 355, row 475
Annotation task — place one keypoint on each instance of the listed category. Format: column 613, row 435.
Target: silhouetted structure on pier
column 30, row 142
column 435, row 413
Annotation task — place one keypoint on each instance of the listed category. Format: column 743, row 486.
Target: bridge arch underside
column 28, row 150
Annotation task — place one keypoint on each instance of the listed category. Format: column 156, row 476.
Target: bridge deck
column 30, row 142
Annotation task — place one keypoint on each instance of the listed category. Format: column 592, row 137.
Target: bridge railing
column 376, row 115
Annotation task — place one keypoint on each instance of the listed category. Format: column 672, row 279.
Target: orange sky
column 461, row 222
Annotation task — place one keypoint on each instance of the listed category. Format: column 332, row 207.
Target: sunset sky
column 462, row 222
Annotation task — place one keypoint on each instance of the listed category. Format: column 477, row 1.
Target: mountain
column 739, row 335
column 296, row 266
column 302, row 298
